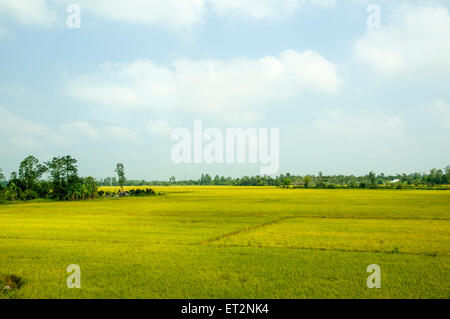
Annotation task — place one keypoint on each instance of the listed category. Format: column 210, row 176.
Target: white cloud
column 358, row 127
column 82, row 127
column 416, row 42
column 25, row 142
column 28, row 12
column 350, row 140
column 177, row 14
column 240, row 85
column 21, row 132
column 264, row 9
column 357, row 141
column 323, row 3
column 159, row 127
column 18, row 132
column 173, row 14
column 242, row 118
column 121, row 133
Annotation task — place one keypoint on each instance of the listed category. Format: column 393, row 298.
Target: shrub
column 44, row 189
column 10, row 283
column 29, row 195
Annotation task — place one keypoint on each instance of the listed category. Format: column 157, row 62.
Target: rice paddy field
column 231, row 242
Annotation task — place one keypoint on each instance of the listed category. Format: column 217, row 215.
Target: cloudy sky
column 347, row 98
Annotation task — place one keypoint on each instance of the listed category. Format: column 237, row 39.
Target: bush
column 44, row 189
column 29, row 194
column 10, row 283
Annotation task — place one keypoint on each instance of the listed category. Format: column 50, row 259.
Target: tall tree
column 447, row 172
column 120, row 170
column 55, row 169
column 13, row 176
column 64, row 174
column 372, row 180
column 307, row 180
column 69, row 166
column 30, row 171
column 2, row 179
column 320, row 181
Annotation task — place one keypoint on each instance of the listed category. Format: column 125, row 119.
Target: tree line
column 435, row 178
column 61, row 183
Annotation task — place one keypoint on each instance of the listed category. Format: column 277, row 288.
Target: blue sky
column 347, row 99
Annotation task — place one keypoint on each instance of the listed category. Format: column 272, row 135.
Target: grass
column 232, row 242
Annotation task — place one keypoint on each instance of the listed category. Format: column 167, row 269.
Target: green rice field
column 231, row 242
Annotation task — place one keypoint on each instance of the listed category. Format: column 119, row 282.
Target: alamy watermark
column 74, row 18
column 374, row 280
column 374, row 20
column 229, row 146
column 74, row 279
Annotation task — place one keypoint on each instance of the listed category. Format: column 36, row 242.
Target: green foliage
column 287, row 182
column 64, row 175
column 307, row 181
column 30, row 171
column 436, row 178
column 44, row 189
column 13, row 192
column 29, row 194
column 372, row 180
column 2, row 180
column 128, row 191
column 91, row 187
column 320, row 181
column 120, row 170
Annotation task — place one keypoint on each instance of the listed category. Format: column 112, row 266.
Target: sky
column 348, row 95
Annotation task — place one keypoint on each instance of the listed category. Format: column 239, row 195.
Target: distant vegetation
column 435, row 179
column 63, row 183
